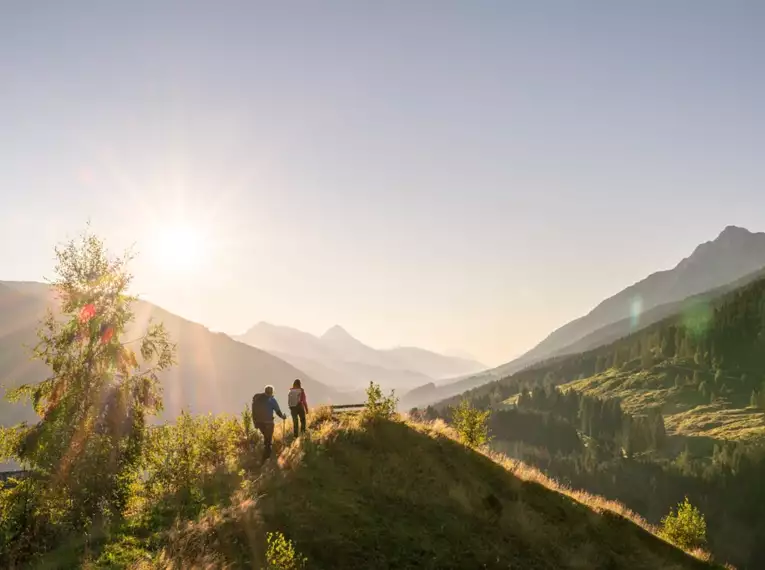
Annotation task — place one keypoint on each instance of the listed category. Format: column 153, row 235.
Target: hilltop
column 391, row 494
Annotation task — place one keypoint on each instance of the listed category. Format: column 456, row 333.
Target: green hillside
column 673, row 409
column 367, row 494
column 708, row 359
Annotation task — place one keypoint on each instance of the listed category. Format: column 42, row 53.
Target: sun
column 179, row 248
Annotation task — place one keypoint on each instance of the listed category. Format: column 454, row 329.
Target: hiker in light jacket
column 264, row 405
column 298, row 404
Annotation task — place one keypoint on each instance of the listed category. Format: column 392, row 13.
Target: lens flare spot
column 636, row 309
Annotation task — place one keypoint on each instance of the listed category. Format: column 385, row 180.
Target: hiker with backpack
column 298, row 405
column 263, row 407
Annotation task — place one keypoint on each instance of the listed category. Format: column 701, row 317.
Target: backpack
column 261, row 410
column 293, row 398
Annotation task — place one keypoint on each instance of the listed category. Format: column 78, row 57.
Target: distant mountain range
column 733, row 258
column 338, row 359
column 215, row 373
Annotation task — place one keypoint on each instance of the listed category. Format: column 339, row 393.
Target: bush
column 471, row 424
column 379, row 406
column 192, row 463
column 686, row 528
column 281, row 554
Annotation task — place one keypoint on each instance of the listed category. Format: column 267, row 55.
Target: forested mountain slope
column 734, row 258
column 710, row 354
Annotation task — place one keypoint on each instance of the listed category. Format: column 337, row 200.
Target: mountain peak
column 337, row 333
column 735, row 233
column 732, row 241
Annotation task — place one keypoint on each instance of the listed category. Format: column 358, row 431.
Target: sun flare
column 179, row 248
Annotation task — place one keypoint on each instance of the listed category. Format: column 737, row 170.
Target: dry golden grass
column 526, row 472
column 406, row 494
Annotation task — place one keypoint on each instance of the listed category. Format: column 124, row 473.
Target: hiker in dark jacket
column 298, row 404
column 264, row 405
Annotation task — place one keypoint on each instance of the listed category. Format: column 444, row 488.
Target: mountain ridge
column 340, row 359
column 215, row 373
column 733, row 257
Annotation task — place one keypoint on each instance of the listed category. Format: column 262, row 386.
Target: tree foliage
column 83, row 451
column 471, row 424
column 281, row 553
column 685, row 527
column 379, row 406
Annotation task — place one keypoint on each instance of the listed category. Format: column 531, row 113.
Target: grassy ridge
column 380, row 494
column 401, row 495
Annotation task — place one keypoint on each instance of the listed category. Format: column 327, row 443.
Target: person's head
column 269, row 390
column 296, row 384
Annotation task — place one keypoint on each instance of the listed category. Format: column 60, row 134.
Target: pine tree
column 617, row 358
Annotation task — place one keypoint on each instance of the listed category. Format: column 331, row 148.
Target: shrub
column 379, row 406
column 686, row 528
column 281, row 554
column 192, row 463
column 471, row 424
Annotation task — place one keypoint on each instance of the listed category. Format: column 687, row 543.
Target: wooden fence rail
column 5, row 475
column 348, row 408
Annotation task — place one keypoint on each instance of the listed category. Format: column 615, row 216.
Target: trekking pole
column 284, row 428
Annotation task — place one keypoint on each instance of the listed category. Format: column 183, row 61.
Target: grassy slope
column 686, row 411
column 396, row 495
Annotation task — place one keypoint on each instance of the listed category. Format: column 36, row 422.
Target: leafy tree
column 686, row 527
column 379, row 406
column 471, row 424
column 82, row 452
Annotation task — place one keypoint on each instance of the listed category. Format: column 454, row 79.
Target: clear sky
column 446, row 174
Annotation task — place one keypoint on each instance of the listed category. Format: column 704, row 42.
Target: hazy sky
column 445, row 174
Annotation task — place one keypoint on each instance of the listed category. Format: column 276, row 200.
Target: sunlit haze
column 451, row 175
